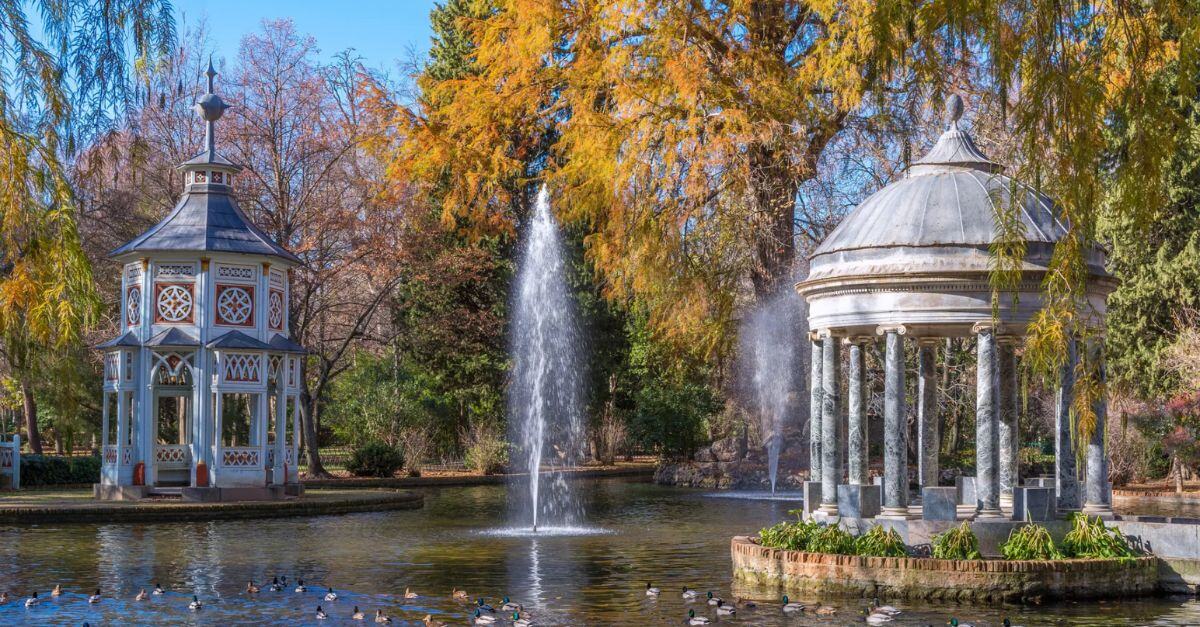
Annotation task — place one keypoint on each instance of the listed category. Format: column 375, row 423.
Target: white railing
column 241, row 457
column 10, row 461
column 172, row 455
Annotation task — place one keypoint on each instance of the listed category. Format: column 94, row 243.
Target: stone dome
column 917, row 251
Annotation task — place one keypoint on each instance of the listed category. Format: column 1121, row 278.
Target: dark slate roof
column 173, row 337
column 207, row 218
column 283, row 344
column 238, row 340
column 128, row 339
column 211, row 157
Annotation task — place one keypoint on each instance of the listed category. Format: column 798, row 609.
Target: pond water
column 638, row 533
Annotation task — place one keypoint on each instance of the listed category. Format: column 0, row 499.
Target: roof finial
column 211, row 108
column 954, row 109
column 210, row 73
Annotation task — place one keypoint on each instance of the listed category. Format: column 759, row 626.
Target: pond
column 639, row 533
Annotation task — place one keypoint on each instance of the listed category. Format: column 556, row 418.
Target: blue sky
column 381, row 31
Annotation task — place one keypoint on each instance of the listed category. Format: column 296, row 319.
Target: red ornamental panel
column 235, row 305
column 173, row 303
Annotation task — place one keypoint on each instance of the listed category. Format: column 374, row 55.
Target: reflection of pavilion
column 913, row 261
column 201, row 392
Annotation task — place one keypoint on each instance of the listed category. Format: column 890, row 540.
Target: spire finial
column 210, row 73
column 954, row 109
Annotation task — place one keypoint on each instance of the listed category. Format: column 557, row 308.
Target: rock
column 705, row 455
column 727, row 449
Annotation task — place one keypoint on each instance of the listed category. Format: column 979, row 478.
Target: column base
column 1006, row 501
column 989, row 514
column 895, row 513
column 1101, row 510
column 828, row 510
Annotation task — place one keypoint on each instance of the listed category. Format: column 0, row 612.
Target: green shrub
column 375, row 459
column 1030, row 542
column 959, row 543
column 831, row 539
column 880, row 542
column 791, row 536
column 1089, row 538
column 43, row 470
column 485, row 450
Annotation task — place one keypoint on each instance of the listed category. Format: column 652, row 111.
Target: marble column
column 830, row 410
column 1097, row 499
column 987, row 459
column 856, row 432
column 1007, row 424
column 895, row 428
column 1066, row 476
column 928, row 435
column 815, row 383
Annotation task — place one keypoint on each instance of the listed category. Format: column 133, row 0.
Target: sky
column 383, row 32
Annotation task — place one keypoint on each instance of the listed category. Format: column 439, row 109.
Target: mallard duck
column 300, row 585
column 3, row 597
column 141, row 595
column 713, row 600
column 876, row 608
column 878, row 619
column 510, row 606
column 688, row 593
column 954, row 623
column 651, row 591
column 484, row 606
column 321, row 615
column 331, row 595
column 158, row 589
column 380, row 617
column 746, row 603
column 521, row 622
column 33, row 600
column 358, row 614
column 826, row 610
column 697, row 620
column 275, row 586
column 195, row 604
column 483, row 619
column 95, row 598
column 57, row 591
column 251, row 588
column 459, row 595
column 409, row 594
column 1009, row 623
column 791, row 607
column 724, row 609
column 429, row 622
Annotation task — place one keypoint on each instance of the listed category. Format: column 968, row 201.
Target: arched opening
column 172, row 416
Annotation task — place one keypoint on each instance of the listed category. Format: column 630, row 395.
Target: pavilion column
column 1066, row 475
column 1007, row 426
column 895, row 440
column 814, row 408
column 987, row 444
column 830, row 410
column 928, row 434
column 1097, row 498
column 856, row 431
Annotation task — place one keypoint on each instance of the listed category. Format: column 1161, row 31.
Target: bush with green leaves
column 791, row 536
column 485, row 449
column 375, row 459
column 1090, row 538
column 1030, row 542
column 43, row 470
column 958, row 543
column 880, row 542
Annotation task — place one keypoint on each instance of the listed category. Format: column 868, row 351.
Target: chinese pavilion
column 201, row 388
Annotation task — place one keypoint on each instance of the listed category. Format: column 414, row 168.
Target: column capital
column 855, row 340
column 814, row 336
column 824, row 334
column 884, row 329
column 985, row 326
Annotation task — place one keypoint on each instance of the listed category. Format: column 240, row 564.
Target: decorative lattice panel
column 6, row 456
column 110, row 454
column 241, row 457
column 242, row 367
column 275, row 310
column 111, row 361
column 174, row 303
column 171, row 454
column 133, row 305
column 235, row 305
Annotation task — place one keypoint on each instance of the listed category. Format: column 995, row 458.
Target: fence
column 10, row 461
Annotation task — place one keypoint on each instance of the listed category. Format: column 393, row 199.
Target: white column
column 1066, row 474
column 1008, row 434
column 1097, row 498
column 895, row 428
column 856, row 431
column 280, row 417
column 815, row 383
column 987, row 462
column 830, row 410
column 122, row 433
column 928, row 434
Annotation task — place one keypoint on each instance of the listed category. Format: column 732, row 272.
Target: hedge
column 43, row 470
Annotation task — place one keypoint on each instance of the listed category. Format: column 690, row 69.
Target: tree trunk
column 308, row 423
column 31, row 426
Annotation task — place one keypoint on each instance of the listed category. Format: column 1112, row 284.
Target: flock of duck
column 486, row 614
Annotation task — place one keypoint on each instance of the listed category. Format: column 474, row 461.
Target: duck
column 510, row 606
column 521, row 622
column 3, row 597
column 690, row 594
column 459, row 595
column 57, row 591
column 141, row 595
column 195, row 605
column 484, row 606
column 358, row 614
column 321, row 615
column 826, row 610
column 409, row 594
column 651, row 591
column 33, row 600
column 158, row 589
column 331, row 595
column 954, row 623
column 1009, row 623
column 429, row 622
column 275, row 586
column 878, row 619
column 791, row 607
column 713, row 600
column 697, row 620
column 724, row 609
column 483, row 619
column 300, row 586
column 883, row 609
column 95, row 598
column 746, row 603
column 380, row 617
column 251, row 588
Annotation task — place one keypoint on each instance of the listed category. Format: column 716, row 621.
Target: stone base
column 1033, row 504
column 895, row 513
column 859, row 501
column 990, row 514
column 1101, row 510
column 293, row 489
column 218, row 495
column 939, row 504
column 102, row 492
column 965, row 487
column 812, row 497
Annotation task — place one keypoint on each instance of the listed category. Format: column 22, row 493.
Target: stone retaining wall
column 765, row 573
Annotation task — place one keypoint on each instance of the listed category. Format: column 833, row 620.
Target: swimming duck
column 195, row 605
column 510, row 606
column 300, row 586
column 459, row 595
column 251, row 588
column 358, row 614
column 3, row 597
column 409, row 594
column 791, row 607
column 878, row 619
column 697, row 620
column 826, row 610
column 690, row 594
column 484, row 606
column 33, row 600
column 158, row 589
column 1009, row 623
column 883, row 609
column 331, row 595
column 321, row 615
column 429, row 622
column 380, row 617
column 954, row 623
column 276, row 586
column 483, row 619
column 57, row 591
column 724, row 609
column 651, row 591
column 141, row 595
column 521, row 622
column 712, row 600
column 95, row 598
column 746, row 603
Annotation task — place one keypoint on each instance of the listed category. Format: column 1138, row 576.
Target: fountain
column 545, row 395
